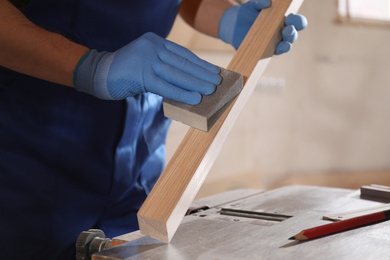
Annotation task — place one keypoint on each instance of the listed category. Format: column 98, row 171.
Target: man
column 81, row 126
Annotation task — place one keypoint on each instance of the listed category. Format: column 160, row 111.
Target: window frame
column 348, row 19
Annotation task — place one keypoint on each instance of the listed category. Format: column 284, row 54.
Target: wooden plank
column 165, row 207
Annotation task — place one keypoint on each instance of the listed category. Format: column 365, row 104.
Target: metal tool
column 249, row 224
column 374, row 190
column 254, row 214
column 90, row 242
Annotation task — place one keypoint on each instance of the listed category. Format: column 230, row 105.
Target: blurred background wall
column 320, row 114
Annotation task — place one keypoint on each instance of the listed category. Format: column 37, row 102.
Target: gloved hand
column 148, row 64
column 237, row 20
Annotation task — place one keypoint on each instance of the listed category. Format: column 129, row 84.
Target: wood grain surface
column 165, row 207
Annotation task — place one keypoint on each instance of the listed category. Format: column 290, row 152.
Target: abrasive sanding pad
column 206, row 113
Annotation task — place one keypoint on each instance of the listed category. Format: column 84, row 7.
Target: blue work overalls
column 69, row 161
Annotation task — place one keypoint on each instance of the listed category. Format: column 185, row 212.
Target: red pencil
column 342, row 225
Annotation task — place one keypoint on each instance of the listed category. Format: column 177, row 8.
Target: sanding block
column 206, row 113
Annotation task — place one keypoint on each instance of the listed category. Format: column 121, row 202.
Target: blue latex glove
column 237, row 20
column 148, row 64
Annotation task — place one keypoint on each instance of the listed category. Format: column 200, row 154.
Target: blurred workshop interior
column 319, row 114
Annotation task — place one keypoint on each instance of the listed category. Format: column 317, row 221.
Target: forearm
column 204, row 15
column 29, row 49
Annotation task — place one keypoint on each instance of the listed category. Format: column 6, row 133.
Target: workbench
column 255, row 224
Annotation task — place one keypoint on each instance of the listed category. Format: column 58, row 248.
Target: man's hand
column 148, row 64
column 237, row 20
